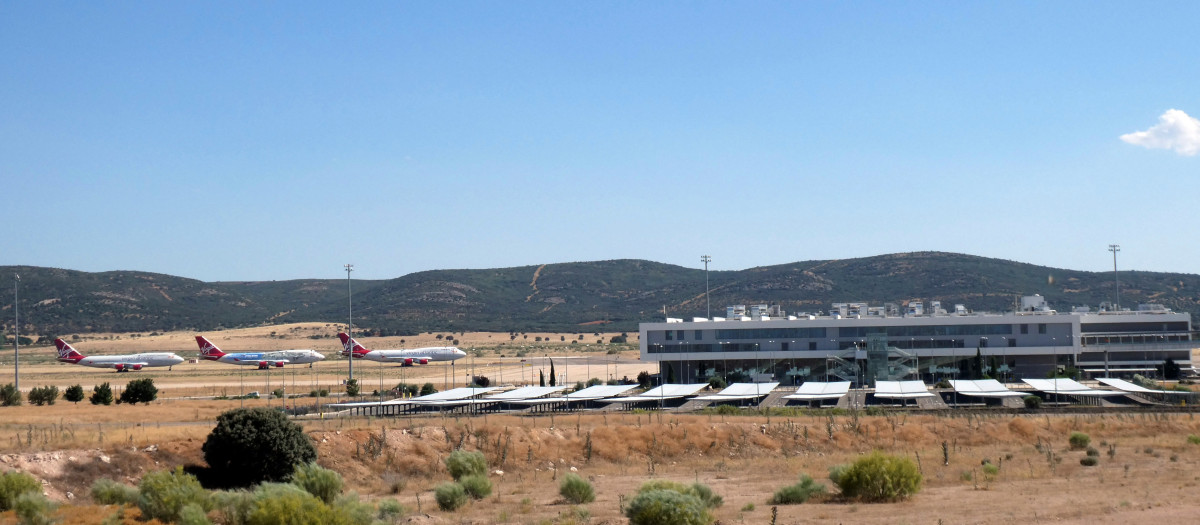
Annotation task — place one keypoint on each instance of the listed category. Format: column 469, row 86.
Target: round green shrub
column 667, row 507
column 163, row 494
column 701, row 491
column 108, row 492
column 478, row 486
column 1089, row 461
column 193, row 514
column 1032, row 402
column 576, row 490
column 1079, row 440
column 390, row 510
column 798, row 493
column 323, row 483
column 287, row 504
column 463, row 463
column 1093, row 452
column 34, row 508
column 450, row 496
column 253, row 445
column 13, row 484
column 880, row 477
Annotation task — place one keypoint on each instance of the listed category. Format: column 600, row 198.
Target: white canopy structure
column 661, row 393
column 1126, row 386
column 591, row 393
column 1065, row 386
column 901, row 390
column 438, row 398
column 983, row 388
column 814, row 391
column 740, row 391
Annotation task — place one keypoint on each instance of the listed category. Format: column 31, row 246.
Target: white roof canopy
column 901, row 389
column 983, row 388
column 812, row 390
column 660, row 393
column 1065, row 386
column 1126, row 386
column 741, row 391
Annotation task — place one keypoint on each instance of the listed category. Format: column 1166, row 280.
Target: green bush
column 287, row 504
column 102, row 394
column 1079, row 440
column 699, row 490
column 667, row 507
column 235, row 506
column 1032, row 402
column 193, row 514
column 9, row 395
column 463, row 463
column 717, row 382
column 880, row 477
column 43, row 395
column 450, row 496
column 990, row 471
column 73, row 394
column 390, row 510
column 108, row 492
column 576, row 490
column 33, row 508
column 323, row 483
column 478, row 486
column 1093, row 452
column 1089, row 461
column 836, row 472
column 13, row 484
column 1193, row 439
column 252, row 445
column 163, row 494
column 798, row 493
column 427, row 389
column 348, row 509
column 139, row 391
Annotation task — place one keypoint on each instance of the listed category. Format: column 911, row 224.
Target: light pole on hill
column 350, row 320
column 708, row 306
column 16, row 334
column 1114, row 248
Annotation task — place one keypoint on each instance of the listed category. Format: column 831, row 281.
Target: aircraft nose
column 176, row 359
column 318, row 355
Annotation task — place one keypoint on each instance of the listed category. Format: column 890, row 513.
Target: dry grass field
column 1148, row 470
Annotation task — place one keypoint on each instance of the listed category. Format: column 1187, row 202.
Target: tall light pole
column 350, row 323
column 16, row 334
column 1114, row 248
column 708, row 306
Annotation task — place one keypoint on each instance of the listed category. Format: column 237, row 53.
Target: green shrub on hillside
column 108, row 492
column 163, row 494
column 478, row 486
column 252, row 445
column 463, row 463
column 1079, row 440
column 450, row 496
column 33, row 508
column 43, row 395
column 13, row 484
column 798, row 493
column 576, row 490
column 880, row 477
column 73, row 394
column 667, row 507
column 139, row 391
column 323, row 483
column 9, row 396
column 102, row 394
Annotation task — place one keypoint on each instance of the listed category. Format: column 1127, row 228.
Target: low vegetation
column 879, row 477
column 798, row 493
column 253, row 445
column 576, row 490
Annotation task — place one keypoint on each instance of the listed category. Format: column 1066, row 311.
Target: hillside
column 583, row 296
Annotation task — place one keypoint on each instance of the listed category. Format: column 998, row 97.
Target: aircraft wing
column 408, row 358
column 129, row 366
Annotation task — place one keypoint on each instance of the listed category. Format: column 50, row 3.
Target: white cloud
column 1175, row 130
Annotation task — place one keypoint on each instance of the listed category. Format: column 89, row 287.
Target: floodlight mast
column 706, row 259
column 350, row 321
column 1114, row 248
column 16, row 334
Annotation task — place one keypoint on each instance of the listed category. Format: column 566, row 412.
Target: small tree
column 163, row 494
column 462, row 463
column 139, row 391
column 323, row 483
column 553, row 377
column 13, row 484
column 880, row 477
column 252, row 445
column 102, row 394
column 352, row 387
column 450, row 496
column 74, row 394
column 427, row 389
column 43, row 395
column 576, row 490
column 541, row 378
column 1170, row 370
column 9, row 396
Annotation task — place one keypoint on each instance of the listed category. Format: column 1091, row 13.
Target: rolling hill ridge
column 565, row 297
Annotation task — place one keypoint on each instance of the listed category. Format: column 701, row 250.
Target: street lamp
column 708, row 306
column 16, row 335
column 350, row 321
column 1114, row 248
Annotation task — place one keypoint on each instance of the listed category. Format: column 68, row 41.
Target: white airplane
column 262, row 360
column 416, row 356
column 120, row 363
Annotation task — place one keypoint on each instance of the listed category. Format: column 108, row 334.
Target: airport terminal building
column 860, row 343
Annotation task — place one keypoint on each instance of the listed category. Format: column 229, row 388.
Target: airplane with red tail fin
column 416, row 356
column 120, row 363
column 262, row 360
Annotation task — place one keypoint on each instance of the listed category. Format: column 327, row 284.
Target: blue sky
column 280, row 140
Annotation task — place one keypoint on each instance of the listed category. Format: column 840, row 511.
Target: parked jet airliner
column 262, row 360
column 120, row 363
column 416, row 356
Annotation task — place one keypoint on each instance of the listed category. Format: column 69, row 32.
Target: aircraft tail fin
column 207, row 349
column 350, row 346
column 66, row 352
